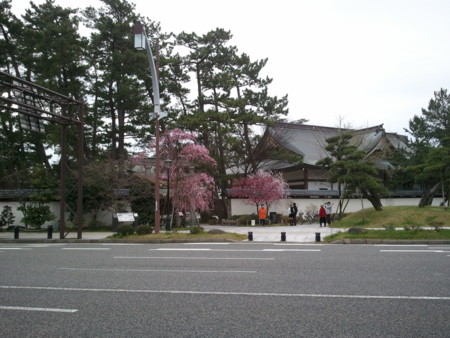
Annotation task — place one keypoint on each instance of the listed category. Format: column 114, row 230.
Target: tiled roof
column 309, row 140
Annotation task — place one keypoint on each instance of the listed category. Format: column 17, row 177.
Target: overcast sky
column 363, row 62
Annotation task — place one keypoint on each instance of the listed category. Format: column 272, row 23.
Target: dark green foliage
column 142, row 200
column 429, row 150
column 36, row 215
column 144, row 229
column 356, row 230
column 126, row 230
column 35, row 208
column 351, row 171
column 6, row 216
column 196, row 230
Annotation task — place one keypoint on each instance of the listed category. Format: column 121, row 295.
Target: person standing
column 291, row 214
column 262, row 214
column 328, row 208
column 322, row 216
column 294, row 206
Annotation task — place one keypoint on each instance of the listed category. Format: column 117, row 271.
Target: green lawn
column 398, row 217
column 409, row 222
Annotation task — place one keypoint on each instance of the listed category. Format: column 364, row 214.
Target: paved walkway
column 305, row 233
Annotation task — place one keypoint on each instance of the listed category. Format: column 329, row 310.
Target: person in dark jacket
column 294, row 206
column 322, row 216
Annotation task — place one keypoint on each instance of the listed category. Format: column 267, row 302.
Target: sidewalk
column 304, row 233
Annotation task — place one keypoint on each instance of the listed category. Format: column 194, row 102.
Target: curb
column 390, row 241
column 137, row 241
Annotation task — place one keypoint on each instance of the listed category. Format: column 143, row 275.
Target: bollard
column 250, row 236
column 317, row 236
column 283, row 237
column 50, row 232
column 16, row 232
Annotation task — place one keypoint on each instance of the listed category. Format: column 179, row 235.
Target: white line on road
column 159, row 270
column 15, row 248
column 196, row 258
column 180, row 249
column 208, row 243
column 118, row 244
column 291, row 250
column 234, row 250
column 421, row 251
column 85, row 249
column 402, row 245
column 21, row 308
column 226, row 293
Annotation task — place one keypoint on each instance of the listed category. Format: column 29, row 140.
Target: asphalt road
column 224, row 290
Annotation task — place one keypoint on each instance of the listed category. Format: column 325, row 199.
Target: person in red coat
column 322, row 216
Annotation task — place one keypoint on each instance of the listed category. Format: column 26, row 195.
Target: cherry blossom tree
column 191, row 188
column 264, row 187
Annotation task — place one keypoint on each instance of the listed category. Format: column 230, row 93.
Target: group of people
column 324, row 214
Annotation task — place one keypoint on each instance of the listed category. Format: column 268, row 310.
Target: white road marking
column 21, row 308
column 158, row 270
column 208, row 243
column 292, row 250
column 197, row 258
column 180, row 249
column 421, row 251
column 85, row 249
column 15, row 248
column 228, row 293
column 401, row 245
column 234, row 250
column 121, row 244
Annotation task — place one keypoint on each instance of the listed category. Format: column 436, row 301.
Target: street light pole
column 141, row 42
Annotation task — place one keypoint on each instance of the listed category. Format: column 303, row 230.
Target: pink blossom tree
column 264, row 187
column 190, row 188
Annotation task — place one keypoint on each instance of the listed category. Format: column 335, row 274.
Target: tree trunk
column 374, row 198
column 376, row 202
column 427, row 197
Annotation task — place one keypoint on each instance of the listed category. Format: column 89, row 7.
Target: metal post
column 50, row 232
column 283, row 237
column 80, row 164
column 250, row 236
column 317, row 236
column 63, row 176
column 16, row 232
column 141, row 42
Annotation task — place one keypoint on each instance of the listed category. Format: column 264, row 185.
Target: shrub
column 144, row 229
column 126, row 230
column 196, row 230
column 213, row 221
column 389, row 227
column 216, row 231
column 6, row 217
column 411, row 225
column 96, row 224
column 356, row 230
column 247, row 219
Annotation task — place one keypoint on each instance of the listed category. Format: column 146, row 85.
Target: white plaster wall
column 240, row 207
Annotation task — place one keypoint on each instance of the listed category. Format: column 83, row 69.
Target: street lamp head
column 139, row 36
column 168, row 163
